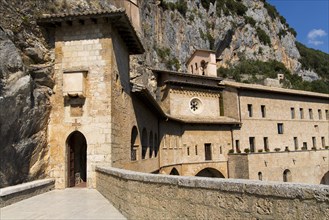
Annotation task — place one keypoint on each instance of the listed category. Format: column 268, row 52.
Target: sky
column 310, row 20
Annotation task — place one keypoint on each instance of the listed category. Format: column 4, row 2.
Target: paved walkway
column 73, row 203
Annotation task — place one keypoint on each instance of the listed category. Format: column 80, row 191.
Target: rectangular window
column 310, row 112
column 296, row 143
column 301, row 113
column 292, row 112
column 314, row 142
column 221, row 105
column 263, row 110
column 207, row 151
column 250, row 110
column 280, row 128
column 323, row 142
column 237, row 146
column 320, row 114
column 327, row 115
column 266, row 143
column 304, row 145
column 252, row 144
column 188, row 151
column 196, row 149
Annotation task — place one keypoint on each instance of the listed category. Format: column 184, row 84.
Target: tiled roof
column 118, row 19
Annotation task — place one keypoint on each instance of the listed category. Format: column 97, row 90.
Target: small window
column 314, row 142
column 292, row 112
column 286, row 176
column 263, row 110
column 260, row 176
column 237, row 146
column 196, row 66
column 192, row 69
column 304, row 145
column 196, row 149
column 250, row 110
column 188, row 151
column 280, row 128
column 252, row 144
column 266, row 143
column 220, row 150
column 296, row 143
column 301, row 113
column 320, row 114
column 316, row 127
column 323, row 142
column 327, row 115
column 310, row 112
column 207, row 152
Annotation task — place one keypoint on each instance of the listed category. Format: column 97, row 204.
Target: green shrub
column 263, row 37
column 326, row 147
column 277, row 149
column 260, row 150
column 231, row 151
column 250, row 20
column 247, row 150
column 206, row 3
column 180, row 6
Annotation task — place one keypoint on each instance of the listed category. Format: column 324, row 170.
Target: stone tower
column 91, row 67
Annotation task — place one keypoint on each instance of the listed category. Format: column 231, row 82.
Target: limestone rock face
column 24, row 112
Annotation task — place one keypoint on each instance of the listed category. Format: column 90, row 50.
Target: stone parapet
column 146, row 196
column 12, row 194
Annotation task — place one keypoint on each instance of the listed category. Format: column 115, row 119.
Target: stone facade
column 190, row 125
column 146, row 196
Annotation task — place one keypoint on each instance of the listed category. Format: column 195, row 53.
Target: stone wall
column 304, row 166
column 146, row 196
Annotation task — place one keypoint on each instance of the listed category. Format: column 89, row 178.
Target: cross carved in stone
column 76, row 124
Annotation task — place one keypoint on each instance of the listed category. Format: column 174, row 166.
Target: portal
column 77, row 159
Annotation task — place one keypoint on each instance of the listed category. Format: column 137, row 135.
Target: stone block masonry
column 150, row 196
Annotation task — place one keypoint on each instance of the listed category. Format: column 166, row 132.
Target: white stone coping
column 262, row 188
column 24, row 186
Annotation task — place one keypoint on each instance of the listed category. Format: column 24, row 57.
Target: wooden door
column 71, row 168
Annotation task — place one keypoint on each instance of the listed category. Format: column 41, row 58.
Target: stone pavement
column 71, row 203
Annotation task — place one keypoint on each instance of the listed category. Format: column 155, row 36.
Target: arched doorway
column 174, row 172
column 325, row 179
column 210, row 172
column 77, row 159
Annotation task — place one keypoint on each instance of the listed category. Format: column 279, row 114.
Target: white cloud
column 314, row 35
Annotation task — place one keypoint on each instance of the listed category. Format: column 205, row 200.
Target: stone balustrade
column 12, row 194
column 149, row 196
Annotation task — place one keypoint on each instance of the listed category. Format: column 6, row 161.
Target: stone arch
column 286, row 175
column 76, row 159
column 144, row 143
column 210, row 172
column 134, row 143
column 174, row 172
column 151, row 145
column 325, row 179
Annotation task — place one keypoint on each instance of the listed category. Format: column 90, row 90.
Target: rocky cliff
column 171, row 31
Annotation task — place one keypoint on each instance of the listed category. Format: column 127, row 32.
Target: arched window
column 286, row 176
column 260, row 176
column 325, row 179
column 151, row 145
column 134, row 143
column 156, row 145
column 144, row 143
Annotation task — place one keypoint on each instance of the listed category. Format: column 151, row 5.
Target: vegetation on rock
column 315, row 60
